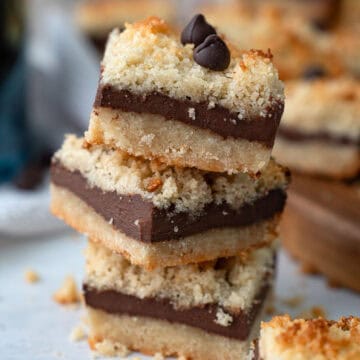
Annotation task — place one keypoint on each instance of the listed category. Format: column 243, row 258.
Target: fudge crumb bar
column 154, row 100
column 157, row 215
column 320, row 131
column 177, row 310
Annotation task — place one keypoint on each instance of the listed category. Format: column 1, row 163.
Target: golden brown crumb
column 68, row 292
column 31, row 276
column 154, row 184
column 86, row 144
column 92, row 342
column 153, row 25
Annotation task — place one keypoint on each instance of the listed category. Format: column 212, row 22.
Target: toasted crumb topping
column 68, row 292
column 184, row 189
column 231, row 283
column 318, row 339
column 31, row 276
column 149, row 57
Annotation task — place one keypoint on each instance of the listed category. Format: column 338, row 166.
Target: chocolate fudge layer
column 321, row 339
column 141, row 220
column 148, row 206
column 321, row 228
column 221, row 298
column 203, row 317
column 322, row 137
column 155, row 100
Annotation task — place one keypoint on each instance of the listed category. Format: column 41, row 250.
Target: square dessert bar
column 320, row 339
column 320, row 130
column 157, row 215
column 154, row 100
column 207, row 310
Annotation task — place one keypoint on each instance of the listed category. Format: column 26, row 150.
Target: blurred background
column 49, row 68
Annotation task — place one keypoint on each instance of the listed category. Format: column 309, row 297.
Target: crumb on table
column 77, row 333
column 31, row 276
column 68, row 292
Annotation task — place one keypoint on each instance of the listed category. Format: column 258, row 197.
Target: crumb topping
column 319, row 339
column 184, row 189
column 149, row 57
column 231, row 283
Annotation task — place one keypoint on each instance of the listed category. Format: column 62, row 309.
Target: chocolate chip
column 196, row 31
column 314, row 72
column 212, row 54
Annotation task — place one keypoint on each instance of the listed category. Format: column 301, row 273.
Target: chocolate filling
column 217, row 119
column 141, row 220
column 202, row 317
column 292, row 134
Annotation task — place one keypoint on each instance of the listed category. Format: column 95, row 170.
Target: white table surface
column 33, row 326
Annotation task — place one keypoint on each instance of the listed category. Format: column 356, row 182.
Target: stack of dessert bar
column 174, row 186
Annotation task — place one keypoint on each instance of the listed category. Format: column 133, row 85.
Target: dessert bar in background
column 322, row 14
column 206, row 310
column 96, row 18
column 156, row 215
column 320, row 129
column 321, row 228
column 216, row 109
column 297, row 46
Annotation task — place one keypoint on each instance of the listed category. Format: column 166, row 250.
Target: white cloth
column 26, row 213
